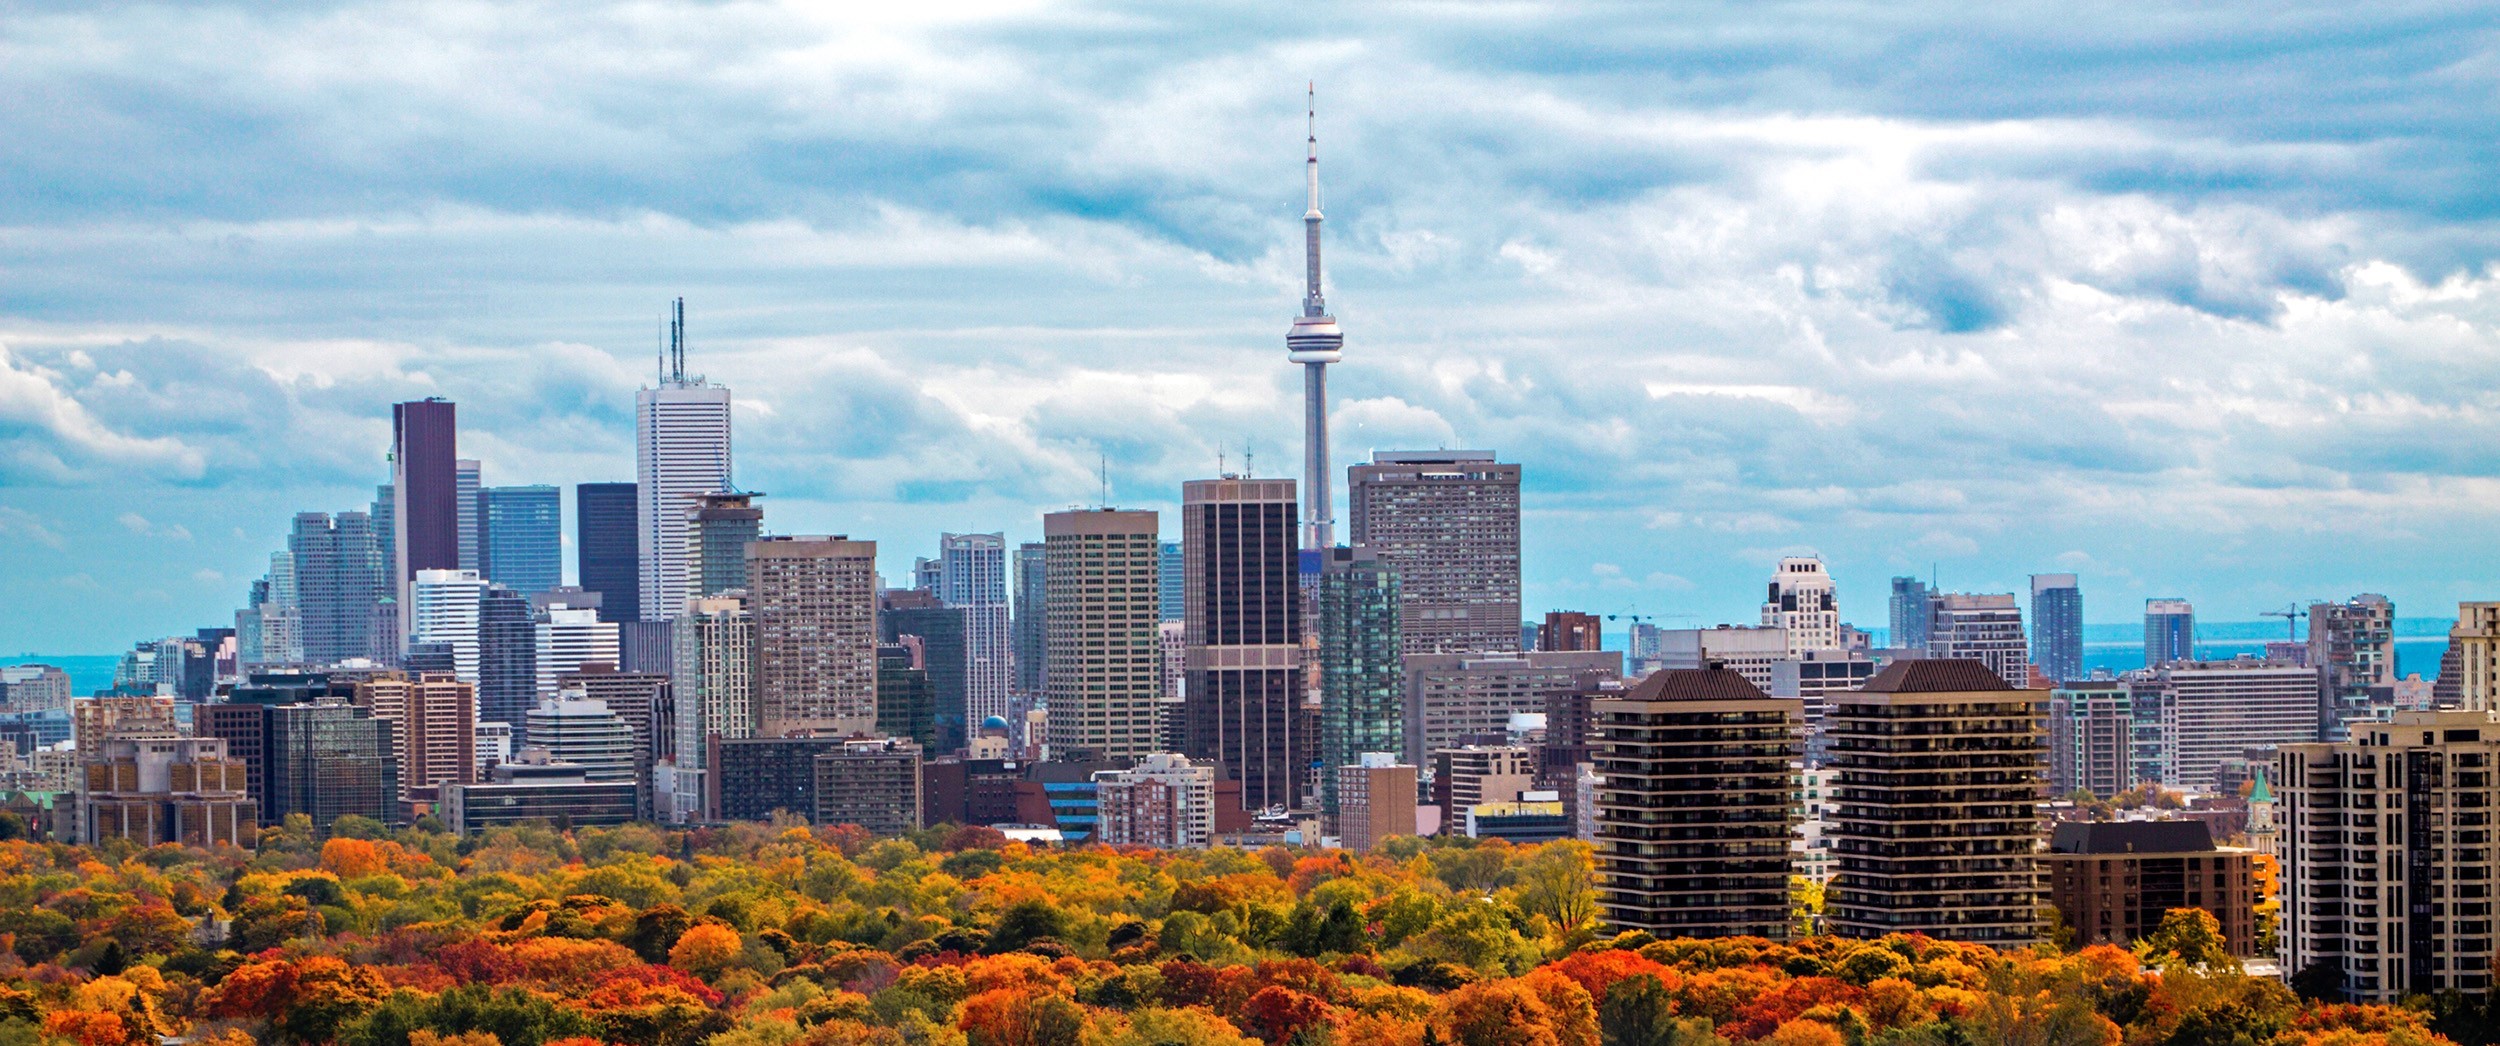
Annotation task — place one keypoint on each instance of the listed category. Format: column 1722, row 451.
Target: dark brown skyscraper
column 1243, row 622
column 425, row 460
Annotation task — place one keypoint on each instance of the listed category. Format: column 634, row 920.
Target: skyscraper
column 681, row 449
column 1909, row 614
column 468, row 484
column 2169, row 631
column 2352, row 645
column 342, row 581
column 1030, row 624
column 507, row 656
column 1173, row 596
column 815, row 606
column 1983, row 628
column 1315, row 342
column 1447, row 521
column 918, row 616
column 606, row 559
column 1245, row 633
column 2057, row 626
column 568, row 638
column 425, row 485
column 445, row 605
column 523, row 537
column 713, row 680
column 1102, row 611
column 329, row 760
column 972, row 578
column 433, row 727
column 1802, row 600
column 719, row 524
column 1362, row 677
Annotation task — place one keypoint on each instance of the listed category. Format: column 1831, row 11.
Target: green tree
column 2190, row 938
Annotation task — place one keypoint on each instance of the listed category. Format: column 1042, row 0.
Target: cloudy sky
column 2192, row 301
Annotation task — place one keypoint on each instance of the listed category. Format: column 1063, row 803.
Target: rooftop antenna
column 677, row 345
column 1248, row 470
column 1219, row 458
column 1102, row 463
column 659, row 348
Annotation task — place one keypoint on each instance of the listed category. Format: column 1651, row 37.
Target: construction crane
column 2291, row 616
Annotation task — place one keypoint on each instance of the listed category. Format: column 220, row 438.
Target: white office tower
column 446, row 612
column 576, row 729
column 1801, row 600
column 568, row 638
column 681, row 449
column 972, row 577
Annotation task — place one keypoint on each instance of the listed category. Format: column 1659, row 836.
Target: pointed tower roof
column 2262, row 793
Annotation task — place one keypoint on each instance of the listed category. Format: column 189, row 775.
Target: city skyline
column 2235, row 352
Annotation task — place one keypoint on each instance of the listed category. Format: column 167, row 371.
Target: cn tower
column 1315, row 342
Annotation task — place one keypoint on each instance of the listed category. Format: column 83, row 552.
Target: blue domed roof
column 997, row 722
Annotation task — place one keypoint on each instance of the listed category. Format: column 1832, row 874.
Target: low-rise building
column 532, row 788
column 1165, row 801
column 2114, row 881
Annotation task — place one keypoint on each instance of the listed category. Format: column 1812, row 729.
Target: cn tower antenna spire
column 1314, row 342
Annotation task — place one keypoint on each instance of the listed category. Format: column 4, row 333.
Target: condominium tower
column 2169, row 631
column 1936, row 820
column 1698, row 767
column 1447, row 522
column 1983, row 628
column 814, row 600
column 972, row 578
column 2057, row 626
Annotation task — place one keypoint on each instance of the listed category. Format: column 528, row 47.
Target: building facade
column 1936, row 806
column 815, row 608
column 719, row 525
column 870, row 782
column 523, row 539
column 1362, row 677
column 1697, row 768
column 2169, row 631
column 2091, row 735
column 1244, row 628
column 1456, row 699
column 972, row 579
column 1103, row 600
column 1376, row 800
column 433, row 721
column 1165, row 801
column 2352, row 645
column 681, row 449
column 1447, row 522
column 606, row 557
column 1803, row 603
column 1984, row 628
column 2057, row 626
column 2113, row 882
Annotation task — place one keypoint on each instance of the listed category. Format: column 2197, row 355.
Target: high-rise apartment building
column 1245, row 634
column 814, row 600
column 1567, row 631
column 1693, row 814
column 906, row 700
column 972, row 578
column 1375, row 800
column 2169, row 631
column 1103, row 603
column 1937, row 824
column 1448, row 523
column 870, row 782
column 433, row 727
column 1362, row 675
column 469, row 484
column 445, row 606
column 1909, row 614
column 1812, row 678
column 713, row 687
column 1458, row 699
column 1983, row 628
column 344, row 586
column 2211, row 712
column 2057, row 626
column 2352, row 645
column 2091, row 732
column 1749, row 649
column 719, row 525
column 1802, row 601
column 681, row 449
column 606, row 559
column 586, row 733
column 642, row 699
column 1165, row 801
column 568, row 639
column 523, row 540
column 2385, row 856
column 1031, row 625
column 2473, row 660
